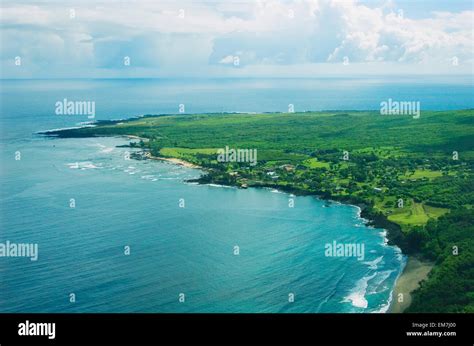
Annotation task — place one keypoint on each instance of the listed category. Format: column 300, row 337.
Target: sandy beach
column 172, row 160
column 136, row 137
column 414, row 272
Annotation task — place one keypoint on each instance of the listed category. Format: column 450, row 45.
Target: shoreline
column 413, row 273
column 175, row 161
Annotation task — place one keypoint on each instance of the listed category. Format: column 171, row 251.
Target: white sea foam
column 359, row 212
column 378, row 283
column 223, row 186
column 384, row 237
column 373, row 264
column 357, row 295
column 107, row 150
column 148, row 177
column 82, row 165
column 384, row 308
column 65, row 128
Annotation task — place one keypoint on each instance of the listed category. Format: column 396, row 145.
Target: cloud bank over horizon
column 271, row 38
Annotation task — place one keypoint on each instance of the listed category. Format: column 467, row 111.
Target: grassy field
column 314, row 163
column 405, row 173
column 416, row 214
column 422, row 173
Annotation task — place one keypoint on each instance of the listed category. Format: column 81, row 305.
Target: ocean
column 126, row 245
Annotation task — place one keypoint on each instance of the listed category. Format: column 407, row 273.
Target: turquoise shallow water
column 173, row 250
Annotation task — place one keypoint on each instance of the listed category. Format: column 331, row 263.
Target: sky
column 237, row 38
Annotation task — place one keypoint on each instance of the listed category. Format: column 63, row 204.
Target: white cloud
column 229, row 59
column 192, row 38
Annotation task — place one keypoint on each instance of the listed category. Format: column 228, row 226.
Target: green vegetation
column 450, row 287
column 314, row 163
column 403, row 172
column 416, row 214
column 420, row 174
column 185, row 153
